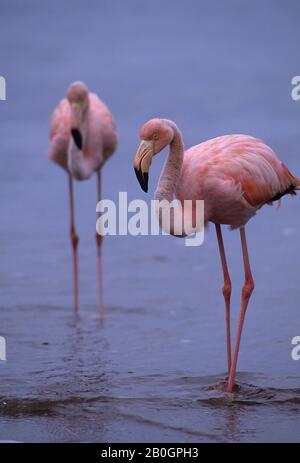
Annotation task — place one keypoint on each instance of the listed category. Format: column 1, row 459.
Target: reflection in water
column 74, row 380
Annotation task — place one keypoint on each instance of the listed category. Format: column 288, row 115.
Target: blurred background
column 214, row 68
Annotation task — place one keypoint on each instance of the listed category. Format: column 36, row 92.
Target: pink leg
column 74, row 242
column 246, row 293
column 99, row 241
column 226, row 292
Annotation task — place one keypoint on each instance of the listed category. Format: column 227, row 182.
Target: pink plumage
column 100, row 137
column 83, row 136
column 235, row 175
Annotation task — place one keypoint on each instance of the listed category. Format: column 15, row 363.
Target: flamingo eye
column 155, row 136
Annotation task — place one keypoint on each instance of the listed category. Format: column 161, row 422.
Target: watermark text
column 182, row 219
column 296, row 350
column 295, row 93
column 2, row 349
column 2, row 88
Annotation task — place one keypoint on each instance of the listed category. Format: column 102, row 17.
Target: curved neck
column 77, row 163
column 172, row 169
column 169, row 179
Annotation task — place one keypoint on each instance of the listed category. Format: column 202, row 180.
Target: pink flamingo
column 235, row 175
column 83, row 136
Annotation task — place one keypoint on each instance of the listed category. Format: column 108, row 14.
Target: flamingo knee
column 74, row 238
column 226, row 290
column 247, row 289
column 99, row 240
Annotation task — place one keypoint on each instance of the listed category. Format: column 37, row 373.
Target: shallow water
column 146, row 373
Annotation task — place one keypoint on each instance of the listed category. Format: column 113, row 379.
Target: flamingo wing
column 103, row 126
column 253, row 165
column 245, row 162
column 60, row 133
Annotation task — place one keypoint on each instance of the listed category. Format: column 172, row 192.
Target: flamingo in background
column 235, row 175
column 82, row 136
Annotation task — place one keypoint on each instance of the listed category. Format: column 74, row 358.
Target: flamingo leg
column 246, row 293
column 99, row 242
column 226, row 291
column 74, row 241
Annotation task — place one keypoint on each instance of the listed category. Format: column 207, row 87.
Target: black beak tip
column 77, row 137
column 142, row 179
column 146, row 177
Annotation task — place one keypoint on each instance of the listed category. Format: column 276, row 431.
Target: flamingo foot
column 222, row 386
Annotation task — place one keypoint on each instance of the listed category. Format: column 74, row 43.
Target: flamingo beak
column 142, row 162
column 77, row 137
column 76, row 119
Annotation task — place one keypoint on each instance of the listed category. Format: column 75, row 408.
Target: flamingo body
column 235, row 175
column 101, row 136
column 83, row 136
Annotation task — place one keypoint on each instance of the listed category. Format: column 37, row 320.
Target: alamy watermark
column 2, row 339
column 2, row 349
column 183, row 219
column 2, row 88
column 295, row 354
column 295, row 93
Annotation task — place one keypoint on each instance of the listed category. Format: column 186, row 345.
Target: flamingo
column 82, row 137
column 235, row 175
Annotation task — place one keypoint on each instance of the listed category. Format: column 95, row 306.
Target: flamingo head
column 78, row 97
column 155, row 135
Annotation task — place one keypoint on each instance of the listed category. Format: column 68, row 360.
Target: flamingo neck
column 169, row 179
column 172, row 169
column 77, row 162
